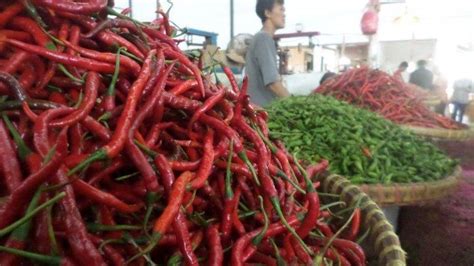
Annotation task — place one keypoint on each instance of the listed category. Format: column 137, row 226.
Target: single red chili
column 10, row 12
column 207, row 162
column 355, row 225
column 214, row 245
column 9, row 165
column 183, row 87
column 17, row 35
column 30, row 26
column 106, row 57
column 103, row 198
column 14, row 62
column 90, row 7
column 208, row 105
column 90, row 98
column 63, row 58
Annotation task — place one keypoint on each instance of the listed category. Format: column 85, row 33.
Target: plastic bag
column 370, row 22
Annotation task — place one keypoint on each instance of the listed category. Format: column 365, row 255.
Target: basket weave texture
column 412, row 193
column 441, row 133
column 382, row 245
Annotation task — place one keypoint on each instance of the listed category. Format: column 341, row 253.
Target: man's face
column 277, row 16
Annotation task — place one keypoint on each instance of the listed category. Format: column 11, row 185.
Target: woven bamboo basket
column 413, row 193
column 382, row 245
column 440, row 133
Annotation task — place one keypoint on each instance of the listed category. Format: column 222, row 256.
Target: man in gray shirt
column 261, row 60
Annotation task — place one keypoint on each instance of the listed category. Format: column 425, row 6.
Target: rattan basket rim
column 441, row 133
column 413, row 193
column 382, row 238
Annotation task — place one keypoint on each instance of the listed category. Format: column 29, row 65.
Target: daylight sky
column 334, row 18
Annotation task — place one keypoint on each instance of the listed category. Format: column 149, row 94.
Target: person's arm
column 267, row 62
column 278, row 89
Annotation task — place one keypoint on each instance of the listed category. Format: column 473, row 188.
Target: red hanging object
column 370, row 22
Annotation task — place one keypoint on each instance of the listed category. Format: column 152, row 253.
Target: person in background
column 401, row 69
column 440, row 85
column 422, row 77
column 265, row 84
column 460, row 98
column 326, row 76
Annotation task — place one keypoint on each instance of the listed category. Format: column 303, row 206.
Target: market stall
column 118, row 149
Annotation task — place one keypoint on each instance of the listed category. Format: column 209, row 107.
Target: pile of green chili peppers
column 359, row 144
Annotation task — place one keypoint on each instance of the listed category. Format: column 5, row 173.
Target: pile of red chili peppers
column 385, row 95
column 117, row 149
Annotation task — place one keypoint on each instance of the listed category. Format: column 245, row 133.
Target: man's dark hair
column 421, row 63
column 403, row 64
column 326, row 76
column 263, row 5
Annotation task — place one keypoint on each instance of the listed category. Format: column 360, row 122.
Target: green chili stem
column 246, row 160
column 276, row 205
column 328, row 244
column 69, row 75
column 21, row 233
column 23, row 150
column 30, row 215
column 111, row 89
column 51, row 234
column 228, row 173
column 258, row 239
column 118, row 227
column 51, row 260
column 96, row 156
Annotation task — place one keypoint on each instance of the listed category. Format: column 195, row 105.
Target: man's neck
column 269, row 28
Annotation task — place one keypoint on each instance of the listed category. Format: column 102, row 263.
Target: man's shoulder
column 262, row 35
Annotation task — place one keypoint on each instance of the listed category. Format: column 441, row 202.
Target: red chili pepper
column 170, row 212
column 14, row 62
column 355, row 225
column 209, row 104
column 22, row 193
column 10, row 12
column 90, row 7
column 112, row 254
column 236, row 222
column 9, row 164
column 214, row 245
column 30, row 26
column 90, row 98
column 183, row 87
column 63, row 58
column 101, row 197
column 82, row 247
column 264, row 259
column 17, row 35
column 137, row 156
column 242, row 242
column 106, row 57
column 118, row 140
column 207, row 162
column 186, row 62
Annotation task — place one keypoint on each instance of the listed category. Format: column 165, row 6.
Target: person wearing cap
column 265, row 84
